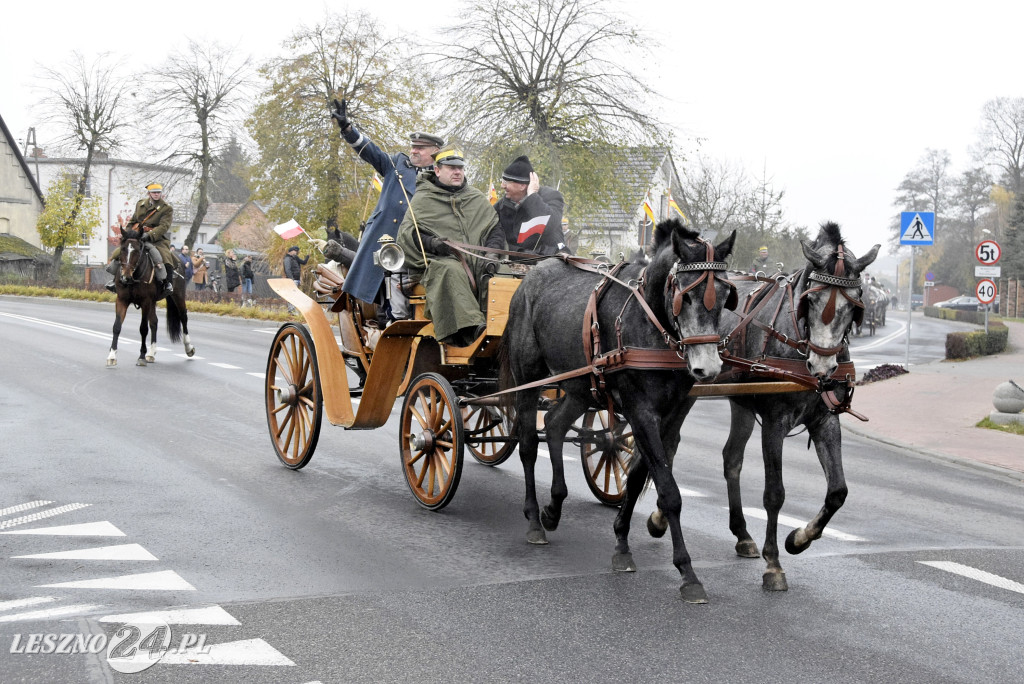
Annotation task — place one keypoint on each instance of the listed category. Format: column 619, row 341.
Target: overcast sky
column 836, row 102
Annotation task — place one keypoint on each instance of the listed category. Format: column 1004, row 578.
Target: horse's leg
column 740, row 428
column 670, row 501
column 772, row 435
column 120, row 309
column 636, row 479
column 657, row 523
column 143, row 329
column 827, row 435
column 556, row 425
column 526, row 417
column 179, row 299
column 153, row 322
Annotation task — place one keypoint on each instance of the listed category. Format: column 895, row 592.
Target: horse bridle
column 710, row 269
column 837, row 282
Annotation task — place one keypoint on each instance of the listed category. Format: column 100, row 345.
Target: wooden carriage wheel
column 293, row 400
column 606, row 462
column 487, row 421
column 431, row 440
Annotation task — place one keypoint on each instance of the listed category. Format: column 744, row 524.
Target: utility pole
column 30, row 142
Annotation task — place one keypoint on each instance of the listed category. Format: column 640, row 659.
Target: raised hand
column 340, row 114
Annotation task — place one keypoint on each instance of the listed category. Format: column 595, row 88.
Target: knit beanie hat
column 519, row 170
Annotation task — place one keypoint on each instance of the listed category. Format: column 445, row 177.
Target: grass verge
column 1012, row 428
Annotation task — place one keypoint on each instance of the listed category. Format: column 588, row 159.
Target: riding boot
column 112, row 268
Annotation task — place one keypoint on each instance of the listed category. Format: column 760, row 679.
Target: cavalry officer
column 530, row 213
column 445, row 207
column 364, row 277
column 153, row 217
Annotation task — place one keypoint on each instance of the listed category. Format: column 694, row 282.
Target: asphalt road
column 335, row 574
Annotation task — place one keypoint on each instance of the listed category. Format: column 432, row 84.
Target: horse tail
column 173, row 319
column 507, row 402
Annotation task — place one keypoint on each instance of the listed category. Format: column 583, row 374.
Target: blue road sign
column 917, row 228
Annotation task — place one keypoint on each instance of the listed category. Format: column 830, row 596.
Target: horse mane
column 827, row 243
column 130, row 234
column 663, row 233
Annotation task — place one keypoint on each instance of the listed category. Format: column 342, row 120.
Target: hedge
column 964, row 345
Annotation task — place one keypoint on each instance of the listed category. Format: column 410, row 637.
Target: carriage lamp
column 390, row 256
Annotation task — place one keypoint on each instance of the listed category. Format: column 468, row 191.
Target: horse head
column 131, row 255
column 830, row 300
column 695, row 292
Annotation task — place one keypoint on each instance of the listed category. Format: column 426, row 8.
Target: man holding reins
column 153, row 217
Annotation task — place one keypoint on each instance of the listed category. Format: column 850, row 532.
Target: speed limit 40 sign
column 985, row 291
column 988, row 252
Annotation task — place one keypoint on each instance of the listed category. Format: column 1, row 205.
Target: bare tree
column 714, row 193
column 1002, row 138
column 86, row 101
column 194, row 101
column 552, row 69
column 763, row 208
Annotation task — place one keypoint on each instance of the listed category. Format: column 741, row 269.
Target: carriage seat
column 328, row 280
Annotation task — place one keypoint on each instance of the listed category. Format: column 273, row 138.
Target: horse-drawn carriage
column 650, row 330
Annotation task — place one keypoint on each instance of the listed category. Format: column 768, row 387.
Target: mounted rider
column 153, row 218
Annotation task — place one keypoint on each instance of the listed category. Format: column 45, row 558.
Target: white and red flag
column 289, row 229
column 534, row 226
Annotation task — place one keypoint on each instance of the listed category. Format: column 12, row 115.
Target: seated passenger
column 446, row 208
column 530, row 214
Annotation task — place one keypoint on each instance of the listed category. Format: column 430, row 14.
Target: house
column 647, row 175
column 21, row 199
column 119, row 184
column 243, row 225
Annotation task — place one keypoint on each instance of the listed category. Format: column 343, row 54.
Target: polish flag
column 534, row 226
column 288, row 230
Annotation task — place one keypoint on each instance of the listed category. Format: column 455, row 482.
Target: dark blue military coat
column 364, row 278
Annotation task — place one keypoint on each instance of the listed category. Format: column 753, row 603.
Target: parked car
column 961, row 303
column 916, row 301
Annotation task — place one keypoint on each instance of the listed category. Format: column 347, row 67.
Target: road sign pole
column 910, row 303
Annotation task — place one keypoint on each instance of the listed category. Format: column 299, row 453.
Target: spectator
column 201, row 270
column 293, row 265
column 247, row 278
column 186, row 261
column 231, row 277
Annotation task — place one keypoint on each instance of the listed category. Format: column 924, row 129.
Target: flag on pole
column 675, row 207
column 648, row 210
column 492, row 194
column 378, row 182
column 534, row 226
column 288, row 230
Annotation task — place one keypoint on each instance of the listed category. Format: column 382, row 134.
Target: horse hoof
column 623, row 562
column 747, row 549
column 693, row 593
column 774, row 581
column 140, row 362
column 654, row 528
column 190, row 352
column 792, row 548
column 150, row 359
column 550, row 522
column 111, row 363
column 537, row 537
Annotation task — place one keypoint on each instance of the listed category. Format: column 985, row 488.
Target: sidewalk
column 933, row 409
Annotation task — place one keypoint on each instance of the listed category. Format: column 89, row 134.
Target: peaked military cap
column 450, row 155
column 426, row 140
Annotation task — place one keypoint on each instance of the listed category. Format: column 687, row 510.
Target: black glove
column 491, row 267
column 436, row 246
column 340, row 114
column 147, row 237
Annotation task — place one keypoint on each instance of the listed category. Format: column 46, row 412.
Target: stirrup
column 111, row 287
column 168, row 286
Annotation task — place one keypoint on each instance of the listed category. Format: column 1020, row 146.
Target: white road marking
column 265, row 331
column 166, row 580
column 116, row 552
column 192, row 358
column 693, row 493
column 788, row 521
column 48, row 513
column 261, row 376
column 880, row 341
column 52, row 612
column 541, row 451
column 23, row 507
column 247, row 652
column 24, row 603
column 225, row 365
column 213, row 615
column 69, row 328
column 96, row 529
column 975, row 574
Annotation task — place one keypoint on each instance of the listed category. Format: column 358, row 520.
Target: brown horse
column 136, row 284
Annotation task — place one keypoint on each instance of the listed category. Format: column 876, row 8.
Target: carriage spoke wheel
column 431, row 441
column 294, row 403
column 487, row 421
column 606, row 455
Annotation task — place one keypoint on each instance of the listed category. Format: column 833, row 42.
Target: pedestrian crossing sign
column 917, row 228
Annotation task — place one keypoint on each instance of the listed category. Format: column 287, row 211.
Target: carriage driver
column 152, row 216
column 445, row 207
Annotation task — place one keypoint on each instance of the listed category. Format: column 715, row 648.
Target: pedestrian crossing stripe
column 117, row 552
column 975, row 574
column 96, row 529
column 212, row 615
column 166, row 580
column 246, row 652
